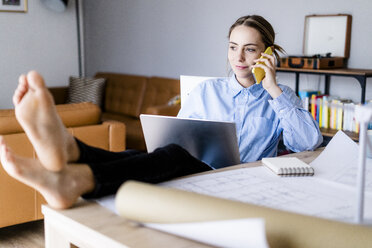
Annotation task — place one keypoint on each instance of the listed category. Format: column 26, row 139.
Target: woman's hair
column 263, row 27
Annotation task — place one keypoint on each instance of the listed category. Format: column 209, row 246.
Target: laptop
column 213, row 142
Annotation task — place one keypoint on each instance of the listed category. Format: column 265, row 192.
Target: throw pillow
column 176, row 100
column 86, row 90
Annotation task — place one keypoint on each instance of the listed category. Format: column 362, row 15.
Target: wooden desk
column 89, row 225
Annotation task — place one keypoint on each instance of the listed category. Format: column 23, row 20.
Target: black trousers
column 111, row 169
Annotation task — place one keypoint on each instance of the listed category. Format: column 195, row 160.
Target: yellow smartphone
column 259, row 73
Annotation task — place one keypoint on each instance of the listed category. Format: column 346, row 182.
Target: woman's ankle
column 73, row 150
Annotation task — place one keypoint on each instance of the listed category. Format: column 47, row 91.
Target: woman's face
column 245, row 45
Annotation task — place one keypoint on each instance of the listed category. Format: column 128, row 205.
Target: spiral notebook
column 288, row 166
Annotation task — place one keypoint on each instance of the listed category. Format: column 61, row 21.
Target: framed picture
column 13, row 6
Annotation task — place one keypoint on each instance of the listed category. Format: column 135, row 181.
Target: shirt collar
column 255, row 90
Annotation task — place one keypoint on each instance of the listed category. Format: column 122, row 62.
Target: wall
column 39, row 39
column 173, row 37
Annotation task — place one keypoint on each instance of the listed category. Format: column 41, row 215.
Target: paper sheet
column 249, row 233
column 305, row 195
column 339, row 162
column 108, row 202
column 330, row 193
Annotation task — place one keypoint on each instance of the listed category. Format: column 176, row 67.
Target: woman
column 262, row 112
column 67, row 168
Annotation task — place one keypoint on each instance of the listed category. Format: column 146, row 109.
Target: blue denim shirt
column 259, row 118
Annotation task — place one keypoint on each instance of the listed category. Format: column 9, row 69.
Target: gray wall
column 39, row 39
column 189, row 37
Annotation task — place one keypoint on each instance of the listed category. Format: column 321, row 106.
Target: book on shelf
column 313, row 106
column 333, row 113
column 347, row 124
column 325, row 113
column 305, row 96
column 341, row 113
column 320, row 112
column 339, row 116
column 330, row 111
column 316, row 107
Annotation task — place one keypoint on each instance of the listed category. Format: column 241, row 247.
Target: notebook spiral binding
column 296, row 171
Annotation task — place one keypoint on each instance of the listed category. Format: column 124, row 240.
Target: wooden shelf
column 340, row 71
column 359, row 74
column 331, row 132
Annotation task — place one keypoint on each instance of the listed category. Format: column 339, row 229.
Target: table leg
column 54, row 236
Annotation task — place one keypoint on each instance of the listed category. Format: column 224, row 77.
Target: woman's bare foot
column 36, row 112
column 60, row 189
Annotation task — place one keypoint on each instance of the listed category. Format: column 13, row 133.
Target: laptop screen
column 213, row 142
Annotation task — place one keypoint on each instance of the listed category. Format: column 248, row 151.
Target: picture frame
column 19, row 6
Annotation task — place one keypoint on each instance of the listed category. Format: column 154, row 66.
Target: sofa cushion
column 79, row 114
column 8, row 122
column 133, row 135
column 124, row 93
column 16, row 199
column 159, row 91
column 86, row 90
column 59, row 93
column 72, row 115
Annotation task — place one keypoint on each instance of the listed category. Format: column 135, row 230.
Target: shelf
column 331, row 132
column 340, row 72
column 359, row 74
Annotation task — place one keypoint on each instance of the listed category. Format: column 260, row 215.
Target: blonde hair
column 263, row 27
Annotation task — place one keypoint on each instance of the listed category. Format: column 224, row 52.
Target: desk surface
column 88, row 224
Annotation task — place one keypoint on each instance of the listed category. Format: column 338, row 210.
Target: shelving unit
column 360, row 75
column 331, row 132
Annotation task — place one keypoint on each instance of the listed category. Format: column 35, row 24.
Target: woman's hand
column 269, row 82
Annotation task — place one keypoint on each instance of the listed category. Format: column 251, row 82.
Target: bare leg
column 35, row 111
column 60, row 189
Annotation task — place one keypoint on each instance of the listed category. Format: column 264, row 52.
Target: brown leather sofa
column 128, row 96
column 20, row 203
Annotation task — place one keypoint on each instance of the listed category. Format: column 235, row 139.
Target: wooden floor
column 28, row 235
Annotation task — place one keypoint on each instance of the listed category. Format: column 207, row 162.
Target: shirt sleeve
column 300, row 130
